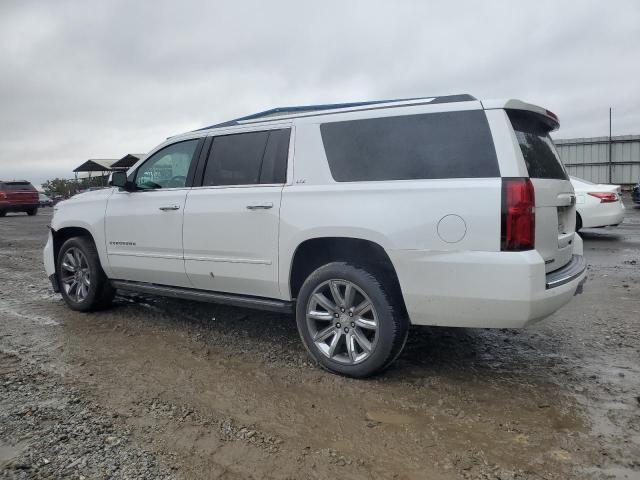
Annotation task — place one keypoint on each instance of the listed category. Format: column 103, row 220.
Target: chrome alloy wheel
column 342, row 321
column 75, row 275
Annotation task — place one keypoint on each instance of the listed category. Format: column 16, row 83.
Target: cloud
column 99, row 79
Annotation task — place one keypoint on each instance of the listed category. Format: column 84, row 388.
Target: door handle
column 262, row 206
column 169, row 207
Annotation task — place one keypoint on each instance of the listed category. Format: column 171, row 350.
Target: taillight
column 518, row 215
column 3, row 196
column 605, row 197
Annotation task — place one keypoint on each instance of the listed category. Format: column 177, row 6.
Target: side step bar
column 235, row 300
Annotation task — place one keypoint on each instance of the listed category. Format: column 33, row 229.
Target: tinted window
column 248, row 158
column 9, row 186
column 538, row 150
column 167, row 168
column 436, row 145
column 274, row 164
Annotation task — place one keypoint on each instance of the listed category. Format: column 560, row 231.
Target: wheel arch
column 63, row 234
column 314, row 252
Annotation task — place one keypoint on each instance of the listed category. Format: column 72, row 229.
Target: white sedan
column 597, row 205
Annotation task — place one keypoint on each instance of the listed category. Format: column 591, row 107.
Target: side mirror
column 119, row 179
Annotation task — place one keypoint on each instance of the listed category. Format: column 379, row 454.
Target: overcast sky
column 85, row 79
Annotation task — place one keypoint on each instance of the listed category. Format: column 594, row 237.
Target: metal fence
column 602, row 160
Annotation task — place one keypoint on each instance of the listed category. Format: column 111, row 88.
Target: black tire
column 100, row 292
column 3, row 213
column 578, row 222
column 393, row 325
column 32, row 211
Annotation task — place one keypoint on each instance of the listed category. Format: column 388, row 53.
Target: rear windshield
column 434, row 145
column 538, row 149
column 7, row 186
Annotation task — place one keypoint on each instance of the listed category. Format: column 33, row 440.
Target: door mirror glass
column 119, row 179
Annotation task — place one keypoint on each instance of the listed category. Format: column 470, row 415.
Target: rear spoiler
column 513, row 104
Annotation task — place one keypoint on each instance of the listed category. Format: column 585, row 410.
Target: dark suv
column 18, row 196
column 636, row 194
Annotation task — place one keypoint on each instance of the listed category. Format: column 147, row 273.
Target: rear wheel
column 83, row 284
column 348, row 322
column 32, row 211
column 3, row 213
column 578, row 222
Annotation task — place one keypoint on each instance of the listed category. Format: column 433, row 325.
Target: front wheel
column 83, row 284
column 32, row 211
column 348, row 322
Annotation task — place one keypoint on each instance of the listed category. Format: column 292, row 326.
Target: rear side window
column 274, row 163
column 537, row 148
column 435, row 145
column 12, row 186
column 248, row 158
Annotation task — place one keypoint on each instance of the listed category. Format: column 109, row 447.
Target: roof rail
column 281, row 111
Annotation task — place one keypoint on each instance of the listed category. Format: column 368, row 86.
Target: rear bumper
column 17, row 207
column 566, row 274
column 484, row 289
column 603, row 215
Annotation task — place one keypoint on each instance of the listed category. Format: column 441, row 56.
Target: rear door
column 554, row 196
column 231, row 222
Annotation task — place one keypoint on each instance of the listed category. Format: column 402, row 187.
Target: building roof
column 128, row 161
column 96, row 165
column 318, row 109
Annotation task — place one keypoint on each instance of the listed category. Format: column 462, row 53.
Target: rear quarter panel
column 398, row 215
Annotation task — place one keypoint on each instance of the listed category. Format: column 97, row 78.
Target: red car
column 18, row 196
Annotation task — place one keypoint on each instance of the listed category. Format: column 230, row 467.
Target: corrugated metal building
column 597, row 160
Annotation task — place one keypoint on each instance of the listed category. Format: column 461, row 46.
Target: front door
column 144, row 227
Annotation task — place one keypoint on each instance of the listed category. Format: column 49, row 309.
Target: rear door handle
column 261, row 206
column 169, row 207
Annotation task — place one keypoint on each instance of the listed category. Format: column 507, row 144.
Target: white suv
column 361, row 218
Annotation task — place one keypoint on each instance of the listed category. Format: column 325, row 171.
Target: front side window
column 248, row 158
column 411, row 147
column 167, row 168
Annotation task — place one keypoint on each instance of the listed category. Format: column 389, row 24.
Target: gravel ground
column 158, row 388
